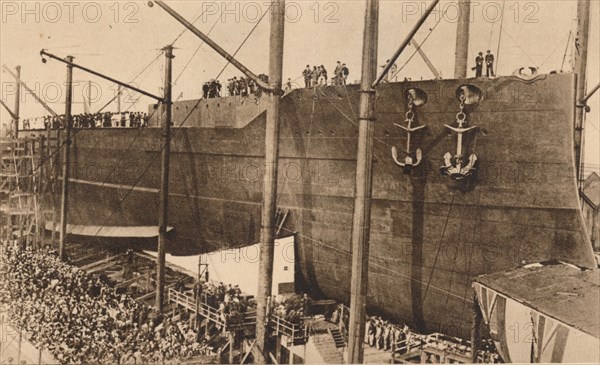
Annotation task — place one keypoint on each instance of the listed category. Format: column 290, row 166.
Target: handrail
column 293, row 331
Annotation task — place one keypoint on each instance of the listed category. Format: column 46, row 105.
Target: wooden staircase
column 337, row 337
column 327, row 347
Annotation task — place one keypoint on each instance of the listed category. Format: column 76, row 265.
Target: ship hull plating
column 428, row 237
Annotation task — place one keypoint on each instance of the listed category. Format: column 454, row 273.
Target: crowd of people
column 317, row 75
column 292, row 308
column 89, row 120
column 233, row 305
column 80, row 319
column 229, row 301
column 236, row 86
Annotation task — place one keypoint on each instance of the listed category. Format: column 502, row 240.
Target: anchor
column 412, row 159
column 457, row 167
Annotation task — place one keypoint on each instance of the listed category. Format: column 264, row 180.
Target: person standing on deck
column 314, row 76
column 345, row 72
column 478, row 65
column 489, row 64
column 337, row 74
column 307, row 76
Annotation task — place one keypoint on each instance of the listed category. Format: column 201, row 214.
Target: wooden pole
column 231, row 59
column 462, row 39
column 581, row 55
column 475, row 329
column 231, row 343
column 119, row 91
column 268, row 221
column 361, row 220
column 64, row 205
column 164, row 186
column 406, row 42
column 17, row 109
column 89, row 97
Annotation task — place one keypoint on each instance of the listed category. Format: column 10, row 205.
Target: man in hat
column 307, row 73
column 337, row 73
column 345, row 72
column 489, row 64
column 478, row 65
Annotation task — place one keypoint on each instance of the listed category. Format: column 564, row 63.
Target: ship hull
column 429, row 237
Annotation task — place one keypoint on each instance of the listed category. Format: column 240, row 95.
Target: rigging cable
column 193, row 55
column 58, row 148
column 439, row 246
column 500, row 37
column 420, row 45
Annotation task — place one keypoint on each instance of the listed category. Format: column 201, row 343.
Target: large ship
column 471, row 176
column 430, row 236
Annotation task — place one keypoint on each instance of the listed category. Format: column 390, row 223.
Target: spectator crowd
column 318, row 76
column 233, row 305
column 89, row 120
column 80, row 319
column 236, row 86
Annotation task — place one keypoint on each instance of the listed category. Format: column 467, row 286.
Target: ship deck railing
column 295, row 333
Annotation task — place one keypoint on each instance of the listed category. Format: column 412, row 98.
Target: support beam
column 17, row 108
column 269, row 204
column 102, row 76
column 432, row 68
column 164, row 182
column 361, row 219
column 475, row 329
column 590, row 94
column 462, row 39
column 405, row 43
column 12, row 115
column 246, row 71
column 64, row 204
column 581, row 55
column 35, row 96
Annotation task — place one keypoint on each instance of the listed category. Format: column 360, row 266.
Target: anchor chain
column 411, row 159
column 457, row 167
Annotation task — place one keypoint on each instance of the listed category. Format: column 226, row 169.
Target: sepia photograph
column 299, row 181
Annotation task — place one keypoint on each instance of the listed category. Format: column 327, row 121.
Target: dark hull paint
column 428, row 239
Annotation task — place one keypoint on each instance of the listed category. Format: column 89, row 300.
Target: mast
column 64, row 204
column 119, row 91
column 268, row 221
column 581, row 53
column 89, row 97
column 164, row 183
column 17, row 109
column 462, row 39
column 361, row 218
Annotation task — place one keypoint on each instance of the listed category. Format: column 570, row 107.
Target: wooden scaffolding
column 27, row 183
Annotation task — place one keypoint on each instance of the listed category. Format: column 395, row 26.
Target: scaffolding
column 27, row 184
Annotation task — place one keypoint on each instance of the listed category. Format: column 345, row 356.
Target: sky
column 124, row 38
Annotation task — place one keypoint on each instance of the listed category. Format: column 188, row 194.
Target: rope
column 554, row 49
column 134, row 78
column 439, row 246
column 420, row 45
column 193, row 55
column 500, row 36
column 185, row 29
column 312, row 115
